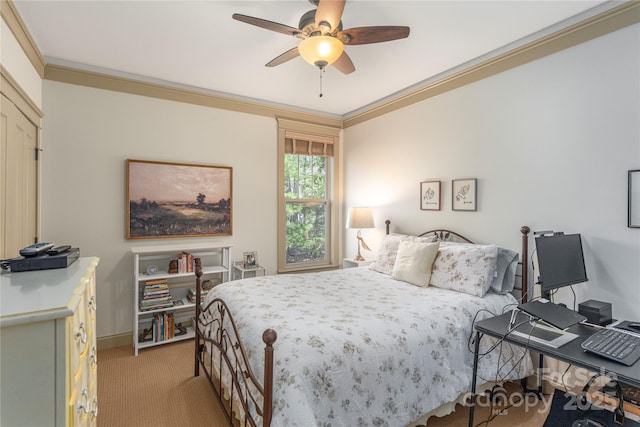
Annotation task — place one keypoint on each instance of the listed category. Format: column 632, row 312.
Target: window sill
column 309, row 269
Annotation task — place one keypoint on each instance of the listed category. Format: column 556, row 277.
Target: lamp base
column 360, row 257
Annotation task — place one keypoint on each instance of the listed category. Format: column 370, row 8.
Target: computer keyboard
column 614, row 345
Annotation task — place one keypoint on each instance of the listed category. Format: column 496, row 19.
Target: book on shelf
column 168, row 304
column 191, row 295
column 163, row 326
column 155, row 282
column 186, row 262
column 155, row 295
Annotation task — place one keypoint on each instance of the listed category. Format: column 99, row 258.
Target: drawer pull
column 93, row 356
column 92, row 303
column 83, row 404
column 94, row 411
column 82, row 333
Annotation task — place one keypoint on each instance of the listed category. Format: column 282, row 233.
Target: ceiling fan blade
column 330, row 11
column 344, row 64
column 287, row 56
column 367, row 35
column 268, row 25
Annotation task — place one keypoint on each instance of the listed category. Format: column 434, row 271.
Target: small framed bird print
column 464, row 194
column 430, row 195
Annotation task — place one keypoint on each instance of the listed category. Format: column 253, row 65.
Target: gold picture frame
column 166, row 200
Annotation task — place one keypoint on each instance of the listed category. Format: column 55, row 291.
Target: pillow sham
column 414, row 261
column 386, row 256
column 465, row 267
column 504, row 279
column 387, row 253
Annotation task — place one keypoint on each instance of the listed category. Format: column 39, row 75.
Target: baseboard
column 113, row 341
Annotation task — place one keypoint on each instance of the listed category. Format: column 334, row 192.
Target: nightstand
column 350, row 262
column 240, row 272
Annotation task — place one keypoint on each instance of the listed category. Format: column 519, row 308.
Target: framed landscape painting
column 178, row 200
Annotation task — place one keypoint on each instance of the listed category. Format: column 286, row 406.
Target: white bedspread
column 357, row 348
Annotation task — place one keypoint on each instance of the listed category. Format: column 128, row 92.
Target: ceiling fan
column 322, row 37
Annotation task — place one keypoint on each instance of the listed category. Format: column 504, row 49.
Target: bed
column 362, row 346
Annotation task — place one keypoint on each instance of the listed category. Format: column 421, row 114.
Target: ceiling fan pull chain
column 321, row 71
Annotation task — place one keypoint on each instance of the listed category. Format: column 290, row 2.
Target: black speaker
column 596, row 312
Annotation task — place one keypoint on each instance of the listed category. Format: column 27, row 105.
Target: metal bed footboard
column 222, row 357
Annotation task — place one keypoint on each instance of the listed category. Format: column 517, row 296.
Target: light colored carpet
column 158, row 389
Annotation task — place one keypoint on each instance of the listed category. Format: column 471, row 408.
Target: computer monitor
column 560, row 261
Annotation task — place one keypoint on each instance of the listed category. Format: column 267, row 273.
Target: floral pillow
column 465, row 267
column 386, row 256
column 388, row 251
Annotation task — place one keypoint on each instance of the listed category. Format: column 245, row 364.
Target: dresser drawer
column 83, row 397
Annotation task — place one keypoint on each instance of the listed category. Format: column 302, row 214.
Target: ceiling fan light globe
column 320, row 50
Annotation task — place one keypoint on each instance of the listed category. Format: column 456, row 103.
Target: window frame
column 319, row 133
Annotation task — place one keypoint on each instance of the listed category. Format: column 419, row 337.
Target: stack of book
column 164, row 326
column 191, row 295
column 155, row 295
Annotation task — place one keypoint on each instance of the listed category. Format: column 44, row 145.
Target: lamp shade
column 360, row 218
column 320, row 50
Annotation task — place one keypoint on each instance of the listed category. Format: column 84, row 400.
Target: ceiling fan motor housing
column 307, row 23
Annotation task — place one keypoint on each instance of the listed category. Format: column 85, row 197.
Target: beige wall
column 89, row 133
column 550, row 143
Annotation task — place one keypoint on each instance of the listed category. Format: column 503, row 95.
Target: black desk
column 571, row 352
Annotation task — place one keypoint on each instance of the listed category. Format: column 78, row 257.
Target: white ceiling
column 197, row 44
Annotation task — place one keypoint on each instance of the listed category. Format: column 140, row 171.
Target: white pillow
column 388, row 251
column 465, row 267
column 414, row 261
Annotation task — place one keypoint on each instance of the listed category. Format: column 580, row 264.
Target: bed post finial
column 269, row 336
column 387, row 224
column 525, row 261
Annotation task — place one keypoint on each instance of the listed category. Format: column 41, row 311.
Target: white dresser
column 48, row 352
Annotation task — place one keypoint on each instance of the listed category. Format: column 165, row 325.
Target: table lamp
column 360, row 218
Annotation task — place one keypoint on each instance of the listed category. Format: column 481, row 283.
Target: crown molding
column 97, row 80
column 606, row 22
column 17, row 26
column 12, row 90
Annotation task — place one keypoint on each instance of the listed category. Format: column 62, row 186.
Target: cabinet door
column 27, row 369
column 18, row 208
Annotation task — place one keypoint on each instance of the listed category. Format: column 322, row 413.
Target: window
column 307, row 233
